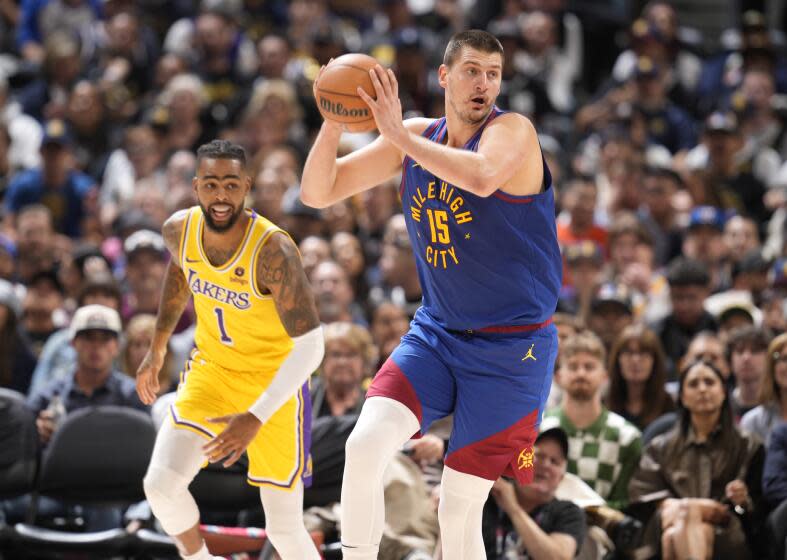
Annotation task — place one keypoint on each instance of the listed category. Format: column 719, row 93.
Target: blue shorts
column 495, row 385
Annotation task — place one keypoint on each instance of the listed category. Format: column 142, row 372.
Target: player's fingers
column 232, row 458
column 378, row 86
column 394, row 83
column 385, row 80
column 220, row 419
column 367, row 98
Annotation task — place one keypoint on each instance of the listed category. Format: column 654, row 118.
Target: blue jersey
column 482, row 262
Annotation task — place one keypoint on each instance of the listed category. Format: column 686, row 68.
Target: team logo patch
column 525, row 459
column 529, row 355
column 240, row 271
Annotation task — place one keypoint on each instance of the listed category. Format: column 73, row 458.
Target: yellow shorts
column 279, row 454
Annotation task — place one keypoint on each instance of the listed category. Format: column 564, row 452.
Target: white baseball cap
column 95, row 318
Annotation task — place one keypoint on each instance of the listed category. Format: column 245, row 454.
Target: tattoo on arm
column 279, row 270
column 174, row 297
column 175, row 293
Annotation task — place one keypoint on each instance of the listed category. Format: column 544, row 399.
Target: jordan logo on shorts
column 529, row 355
column 525, row 459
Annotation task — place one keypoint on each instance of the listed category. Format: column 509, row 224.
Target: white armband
column 300, row 363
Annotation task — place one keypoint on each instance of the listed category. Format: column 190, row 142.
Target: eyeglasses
column 779, row 357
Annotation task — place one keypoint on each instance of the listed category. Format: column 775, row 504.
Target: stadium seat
column 18, row 445
column 97, row 457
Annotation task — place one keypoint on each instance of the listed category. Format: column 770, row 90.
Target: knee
column 162, row 484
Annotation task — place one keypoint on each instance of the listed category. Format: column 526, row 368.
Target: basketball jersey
column 482, row 262
column 238, row 328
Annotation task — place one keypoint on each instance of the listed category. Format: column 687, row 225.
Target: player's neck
column 230, row 238
column 459, row 131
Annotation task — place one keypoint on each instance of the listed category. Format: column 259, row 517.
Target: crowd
column 669, row 159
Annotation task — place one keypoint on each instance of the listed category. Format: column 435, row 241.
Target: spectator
column 56, row 184
column 740, row 236
column 36, row 242
column 577, row 222
column 16, row 358
column 87, row 116
column 58, row 357
column 747, row 350
column 603, row 447
column 314, row 250
column 637, row 377
column 95, row 330
column 704, row 242
column 137, row 337
column 774, row 488
column 347, row 251
column 23, row 130
column 389, row 323
column 335, row 299
column 398, row 275
column 42, row 309
column 689, row 284
column 38, row 20
column 772, row 408
column 146, row 261
column 350, row 356
column 660, row 186
column 611, row 311
column 537, row 525
column 701, row 463
column 583, row 276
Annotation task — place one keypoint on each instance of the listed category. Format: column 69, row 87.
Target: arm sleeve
column 619, row 495
column 303, row 359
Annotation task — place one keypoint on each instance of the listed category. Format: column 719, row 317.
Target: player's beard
column 220, row 228
column 467, row 115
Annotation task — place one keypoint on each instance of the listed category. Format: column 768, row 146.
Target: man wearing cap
column 95, row 330
column 538, row 525
column 611, row 311
column 146, row 263
column 56, row 184
column 704, row 241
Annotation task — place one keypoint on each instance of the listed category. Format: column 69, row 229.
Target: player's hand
column 387, row 108
column 427, row 450
column 234, row 439
column 505, row 495
column 329, row 124
column 147, row 376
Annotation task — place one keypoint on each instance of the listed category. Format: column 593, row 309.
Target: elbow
column 484, row 185
column 309, row 199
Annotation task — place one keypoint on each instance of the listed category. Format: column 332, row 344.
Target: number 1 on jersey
column 225, row 338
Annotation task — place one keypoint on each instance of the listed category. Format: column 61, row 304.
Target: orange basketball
column 337, row 98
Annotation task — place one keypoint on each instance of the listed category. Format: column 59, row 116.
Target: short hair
column 356, row 336
column 101, row 286
column 628, row 223
column 747, row 337
column 569, row 320
column 688, row 272
column 221, row 149
column 585, row 341
column 475, row 39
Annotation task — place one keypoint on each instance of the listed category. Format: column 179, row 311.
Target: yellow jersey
column 238, row 328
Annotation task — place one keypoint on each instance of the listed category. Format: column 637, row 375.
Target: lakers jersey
column 238, row 328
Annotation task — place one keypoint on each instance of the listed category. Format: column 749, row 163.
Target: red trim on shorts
column 509, row 452
column 391, row 382
column 515, row 328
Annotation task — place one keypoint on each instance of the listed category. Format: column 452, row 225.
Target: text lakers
column 440, row 250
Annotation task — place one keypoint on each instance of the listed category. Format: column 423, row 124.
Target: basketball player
column 245, row 386
column 480, row 213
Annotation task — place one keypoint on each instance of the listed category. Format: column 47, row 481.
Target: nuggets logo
column 525, row 459
column 441, row 251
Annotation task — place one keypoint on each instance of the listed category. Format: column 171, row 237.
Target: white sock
column 201, row 554
column 383, row 427
column 462, row 499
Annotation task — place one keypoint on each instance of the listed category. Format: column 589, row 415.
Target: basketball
column 337, row 98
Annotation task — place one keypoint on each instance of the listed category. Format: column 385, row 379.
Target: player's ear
column 194, row 184
column 442, row 73
column 247, row 182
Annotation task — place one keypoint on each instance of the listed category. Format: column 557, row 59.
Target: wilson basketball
column 337, row 98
